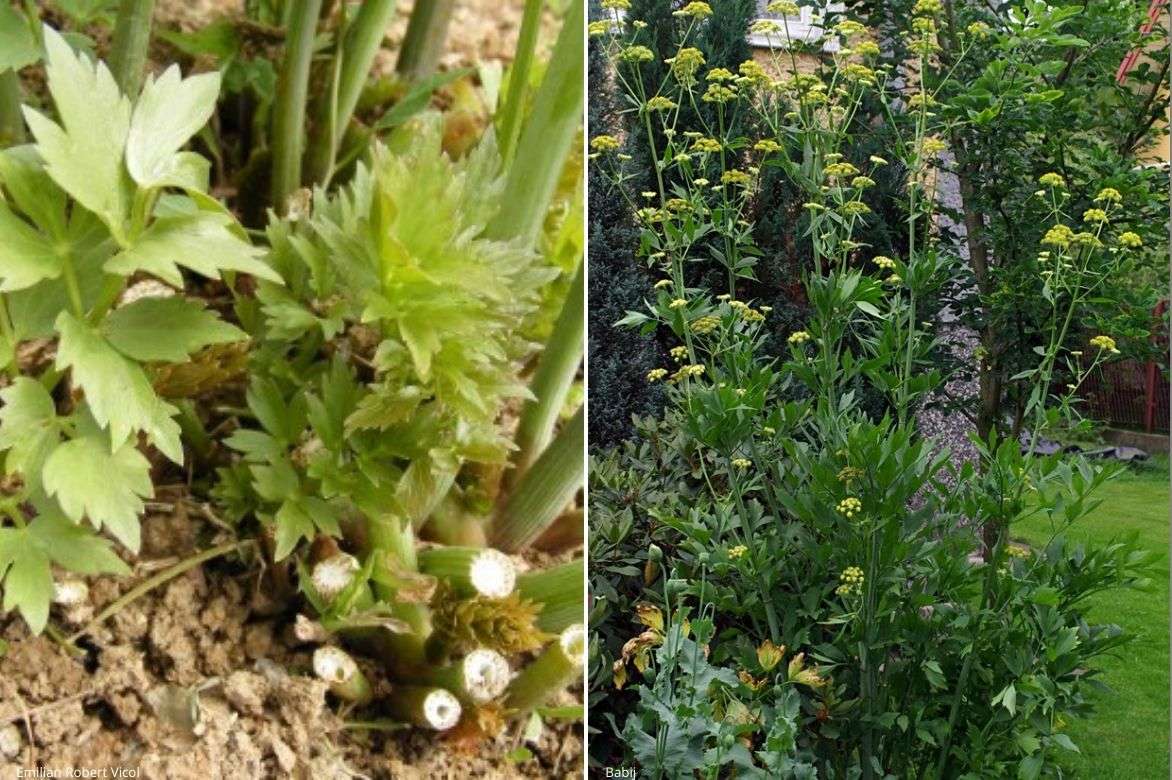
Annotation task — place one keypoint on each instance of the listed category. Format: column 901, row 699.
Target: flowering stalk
column 557, row 666
column 544, row 491
column 426, row 707
column 559, row 590
column 471, row 571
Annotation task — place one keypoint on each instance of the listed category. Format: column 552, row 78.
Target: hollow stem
column 544, row 491
column 547, row 137
column 557, row 666
column 289, row 105
column 559, row 592
column 346, row 680
column 551, row 383
column 518, row 89
column 11, row 120
column 426, row 707
column 132, row 39
column 479, row 677
column 426, row 37
column 473, row 571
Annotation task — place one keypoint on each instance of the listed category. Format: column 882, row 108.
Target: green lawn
column 1128, row 736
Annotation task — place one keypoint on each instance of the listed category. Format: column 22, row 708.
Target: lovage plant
column 818, row 602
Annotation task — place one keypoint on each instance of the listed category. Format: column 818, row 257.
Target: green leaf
column 168, row 113
column 28, row 581
column 33, row 192
column 73, row 546
column 29, row 429
column 26, row 256
column 107, row 487
column 84, row 153
column 166, row 329
column 203, row 242
column 294, row 523
column 18, row 46
column 117, row 390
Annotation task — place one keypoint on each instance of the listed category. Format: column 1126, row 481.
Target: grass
column 1128, row 735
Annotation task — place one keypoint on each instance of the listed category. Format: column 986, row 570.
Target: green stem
column 544, row 491
column 479, row 677
column 559, row 591
column 551, row 383
column 426, row 37
column 471, row 570
column 132, row 39
column 364, row 37
column 432, row 708
column 11, row 120
column 548, row 134
column 557, row 666
column 510, row 114
column 289, row 104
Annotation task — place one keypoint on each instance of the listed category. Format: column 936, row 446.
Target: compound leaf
column 117, row 390
column 168, row 113
column 166, row 329
column 28, row 581
column 26, row 256
column 84, row 153
column 29, row 428
column 89, row 480
column 201, row 241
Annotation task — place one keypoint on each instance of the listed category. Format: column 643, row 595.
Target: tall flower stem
column 509, row 123
column 11, row 120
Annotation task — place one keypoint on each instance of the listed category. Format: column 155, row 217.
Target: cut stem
column 545, row 490
column 473, row 571
column 132, row 39
column 547, row 136
column 551, row 383
column 346, row 680
column 11, row 119
column 426, row 37
column 559, row 592
column 431, row 708
column 289, row 104
column 480, row 677
column 557, row 666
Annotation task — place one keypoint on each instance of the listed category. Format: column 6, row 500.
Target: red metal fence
column 1133, row 393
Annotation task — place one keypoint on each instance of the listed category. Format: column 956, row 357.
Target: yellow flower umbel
column 736, row 178
column 706, row 145
column 1094, row 216
column 850, row 582
column 742, row 463
column 694, row 370
column 738, row 551
column 1059, row 236
column 686, row 64
column 604, row 143
column 705, row 324
column 1053, row 180
column 767, row 145
column 885, row 263
column 655, row 374
column 660, row 103
column 1130, row 240
column 849, row 507
column 1105, row 343
column 679, row 353
column 1109, row 195
column 696, row 10
column 798, row 337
